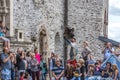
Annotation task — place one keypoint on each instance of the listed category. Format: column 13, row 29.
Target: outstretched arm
column 67, row 41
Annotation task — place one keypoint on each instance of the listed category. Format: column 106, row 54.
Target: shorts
column 4, row 39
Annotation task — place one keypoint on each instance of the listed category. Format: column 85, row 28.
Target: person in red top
column 37, row 55
column 22, row 75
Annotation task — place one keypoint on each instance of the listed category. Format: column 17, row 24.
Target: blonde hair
column 32, row 54
column 81, row 61
column 78, row 65
column 91, row 65
column 86, row 42
column 114, row 67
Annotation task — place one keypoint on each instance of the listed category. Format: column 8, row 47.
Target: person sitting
column 3, row 31
column 90, row 72
column 58, row 71
column 97, row 73
column 27, row 76
column 77, row 73
column 117, row 51
column 115, row 72
column 107, row 72
column 82, row 68
column 69, row 71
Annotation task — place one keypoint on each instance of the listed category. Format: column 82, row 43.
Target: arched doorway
column 58, row 45
column 43, row 43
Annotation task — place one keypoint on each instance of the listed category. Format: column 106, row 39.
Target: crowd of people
column 86, row 68
column 21, row 65
column 31, row 65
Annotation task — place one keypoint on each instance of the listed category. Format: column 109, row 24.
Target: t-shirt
column 28, row 62
column 37, row 56
column 33, row 66
column 85, row 53
column 43, row 66
column 97, row 71
column 57, row 69
column 6, row 65
column 107, row 53
column 20, row 63
column 1, row 32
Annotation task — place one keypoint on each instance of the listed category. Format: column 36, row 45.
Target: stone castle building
column 42, row 23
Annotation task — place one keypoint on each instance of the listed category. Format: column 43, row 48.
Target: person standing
column 51, row 64
column 37, row 55
column 43, row 66
column 72, row 49
column 108, row 51
column 13, row 62
column 6, row 64
column 20, row 62
column 28, row 58
column 86, row 51
column 34, row 67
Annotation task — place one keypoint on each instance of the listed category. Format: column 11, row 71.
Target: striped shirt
column 58, row 69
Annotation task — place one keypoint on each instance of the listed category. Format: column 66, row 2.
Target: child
column 69, row 71
column 27, row 77
column 90, row 72
column 22, row 75
column 77, row 73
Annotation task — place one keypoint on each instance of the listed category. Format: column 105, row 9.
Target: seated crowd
column 75, row 70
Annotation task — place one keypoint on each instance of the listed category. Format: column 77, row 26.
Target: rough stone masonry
column 41, row 23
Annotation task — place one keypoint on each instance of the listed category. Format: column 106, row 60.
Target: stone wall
column 31, row 15
column 86, row 17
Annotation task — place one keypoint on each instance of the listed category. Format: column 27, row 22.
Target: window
column 20, row 35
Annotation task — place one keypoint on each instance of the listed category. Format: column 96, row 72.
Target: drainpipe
column 65, row 25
